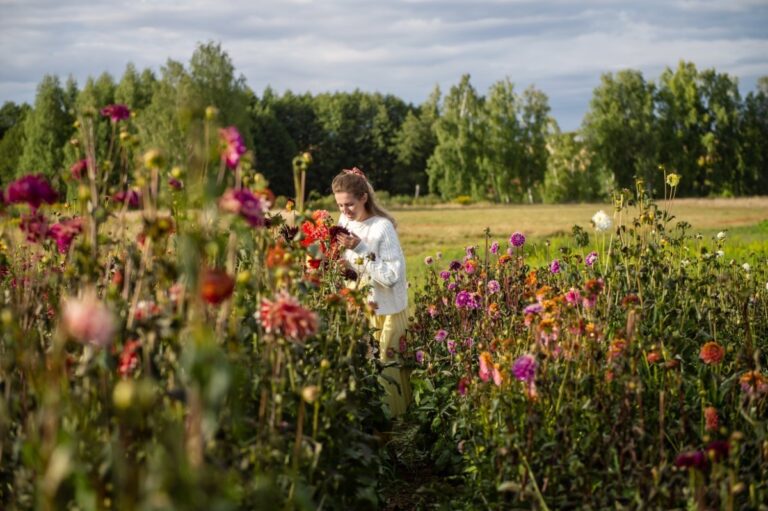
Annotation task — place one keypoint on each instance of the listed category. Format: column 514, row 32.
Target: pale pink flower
column 486, row 366
column 232, row 146
column 88, row 319
column 498, row 378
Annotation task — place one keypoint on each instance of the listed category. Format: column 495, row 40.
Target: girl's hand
column 349, row 241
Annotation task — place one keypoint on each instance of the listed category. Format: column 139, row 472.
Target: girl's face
column 352, row 207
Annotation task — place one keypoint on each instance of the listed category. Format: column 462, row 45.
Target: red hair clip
column 354, row 170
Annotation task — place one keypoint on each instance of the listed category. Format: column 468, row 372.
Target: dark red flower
column 216, row 286
column 288, row 232
column 33, row 189
column 718, row 450
column 334, row 232
column 691, row 459
column 116, row 112
column 463, row 385
column 175, row 183
column 130, row 197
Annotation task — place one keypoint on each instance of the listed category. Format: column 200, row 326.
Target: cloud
column 403, row 47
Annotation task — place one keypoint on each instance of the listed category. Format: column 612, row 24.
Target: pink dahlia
column 244, row 203
column 232, row 146
column 286, row 316
column 64, row 233
column 517, row 239
column 524, row 368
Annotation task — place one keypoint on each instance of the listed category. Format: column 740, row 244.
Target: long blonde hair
column 354, row 181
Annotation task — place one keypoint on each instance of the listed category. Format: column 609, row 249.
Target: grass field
column 425, row 231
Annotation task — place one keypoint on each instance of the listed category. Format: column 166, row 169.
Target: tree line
column 503, row 146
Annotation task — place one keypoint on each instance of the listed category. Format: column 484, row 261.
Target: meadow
column 449, row 228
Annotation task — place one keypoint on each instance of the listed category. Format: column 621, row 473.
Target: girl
column 373, row 250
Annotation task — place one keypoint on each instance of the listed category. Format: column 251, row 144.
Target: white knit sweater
column 386, row 272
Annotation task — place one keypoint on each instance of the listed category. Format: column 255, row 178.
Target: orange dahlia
column 712, row 353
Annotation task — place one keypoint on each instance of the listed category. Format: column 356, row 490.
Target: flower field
column 626, row 372
column 167, row 341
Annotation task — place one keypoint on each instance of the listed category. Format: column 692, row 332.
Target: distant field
column 424, row 231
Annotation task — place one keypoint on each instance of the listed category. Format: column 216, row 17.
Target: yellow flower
column 673, row 179
column 153, row 159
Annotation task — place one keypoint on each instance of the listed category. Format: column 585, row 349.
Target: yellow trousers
column 390, row 329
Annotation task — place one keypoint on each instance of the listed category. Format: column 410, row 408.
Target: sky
column 400, row 47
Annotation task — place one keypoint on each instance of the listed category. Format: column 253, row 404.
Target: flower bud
column 123, row 394
column 310, row 394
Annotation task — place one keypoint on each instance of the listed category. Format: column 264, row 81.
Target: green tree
column 357, row 129
column 10, row 115
column 168, row 117
column 682, row 126
column 413, row 145
column 12, row 118
column 273, row 147
column 536, row 122
column 46, row 129
column 754, row 139
column 71, row 93
column 503, row 150
column 95, row 95
column 453, row 168
column 721, row 138
column 570, row 176
column 134, row 89
column 213, row 83
column 297, row 117
column 620, row 129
